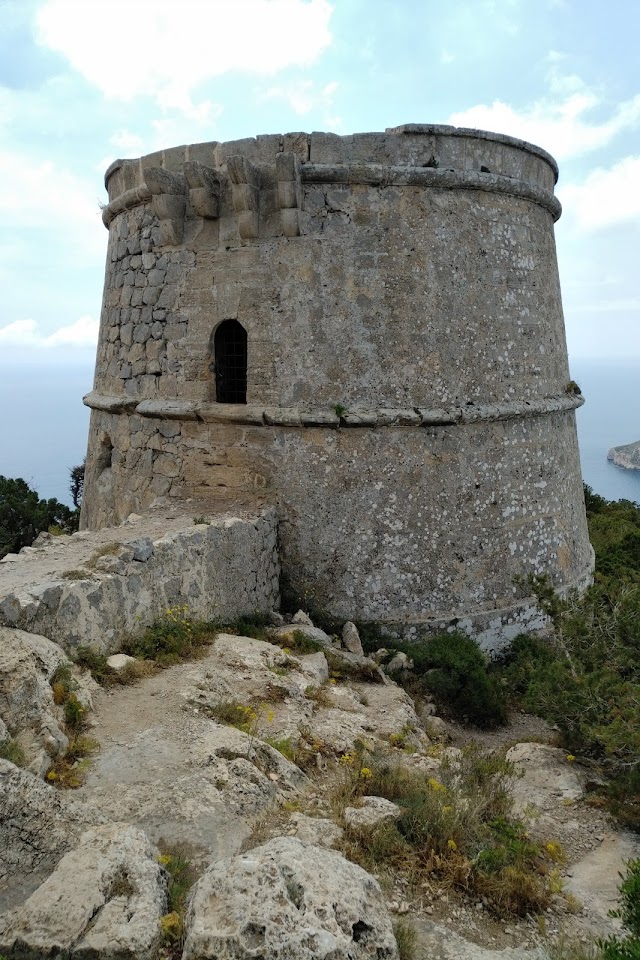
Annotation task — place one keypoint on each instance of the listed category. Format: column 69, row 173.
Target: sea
column 44, row 424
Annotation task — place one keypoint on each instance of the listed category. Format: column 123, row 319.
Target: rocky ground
column 254, row 807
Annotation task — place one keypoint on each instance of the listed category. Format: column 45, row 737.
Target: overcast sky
column 83, row 82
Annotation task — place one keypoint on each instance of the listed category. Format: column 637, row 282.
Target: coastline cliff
column 627, row 455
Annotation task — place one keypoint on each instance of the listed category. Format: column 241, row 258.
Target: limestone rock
column 302, row 618
column 316, row 830
column 373, row 812
column 104, row 899
column 445, row 944
column 37, row 826
column 27, row 665
column 288, row 899
column 400, row 663
column 351, row 639
column 627, row 455
column 118, row 661
column 546, row 778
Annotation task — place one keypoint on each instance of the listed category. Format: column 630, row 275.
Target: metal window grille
column 230, row 357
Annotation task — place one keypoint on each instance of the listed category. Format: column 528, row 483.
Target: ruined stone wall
column 407, row 409
column 96, row 589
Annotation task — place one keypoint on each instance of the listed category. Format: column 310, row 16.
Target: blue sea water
column 44, row 425
column 609, row 418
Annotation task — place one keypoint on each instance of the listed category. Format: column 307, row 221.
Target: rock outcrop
column 28, row 663
column 288, row 899
column 105, row 899
column 627, row 455
column 38, row 825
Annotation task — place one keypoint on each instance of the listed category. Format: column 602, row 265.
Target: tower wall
column 407, row 408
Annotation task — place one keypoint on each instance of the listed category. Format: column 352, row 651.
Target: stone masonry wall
column 96, row 588
column 408, row 408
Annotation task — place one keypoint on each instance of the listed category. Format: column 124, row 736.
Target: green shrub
column 174, row 638
column 457, row 826
column 586, row 678
column 453, row 670
column 12, row 751
column 616, row 948
column 23, row 515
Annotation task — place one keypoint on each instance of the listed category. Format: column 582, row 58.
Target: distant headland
column 627, row 455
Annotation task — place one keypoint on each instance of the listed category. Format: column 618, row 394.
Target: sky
column 83, row 82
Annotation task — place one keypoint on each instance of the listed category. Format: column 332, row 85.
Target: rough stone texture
column 104, row 899
column 37, row 826
column 546, row 779
column 27, row 665
column 441, row 943
column 627, row 456
column 316, row 830
column 373, row 812
column 96, row 588
column 245, row 671
column 286, row 900
column 595, row 880
column 407, row 395
column 351, row 639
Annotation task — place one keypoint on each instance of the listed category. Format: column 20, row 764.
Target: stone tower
column 366, row 331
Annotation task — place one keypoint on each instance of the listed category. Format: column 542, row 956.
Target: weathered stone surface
column 104, row 899
column 126, row 578
column 351, row 639
column 546, row 779
column 361, row 458
column 118, row 661
column 27, row 665
column 627, row 456
column 372, row 813
column 288, row 899
column 37, row 826
column 316, row 830
column 435, row 941
column 401, row 663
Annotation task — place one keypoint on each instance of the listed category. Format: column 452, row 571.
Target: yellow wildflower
column 366, row 773
column 453, row 846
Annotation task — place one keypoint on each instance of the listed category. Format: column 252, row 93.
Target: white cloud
column 303, row 95
column 129, row 48
column 606, row 198
column 37, row 194
column 559, row 122
column 26, row 333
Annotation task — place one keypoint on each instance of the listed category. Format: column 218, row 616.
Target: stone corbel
column 168, row 203
column 204, row 189
column 289, row 192
column 245, row 181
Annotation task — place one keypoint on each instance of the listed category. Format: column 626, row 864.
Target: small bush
column 171, row 640
column 238, row 715
column 250, row 625
column 453, row 670
column 456, row 826
column 12, row 751
column 406, row 938
column 74, row 713
column 181, row 876
column 616, row 948
column 68, row 772
column 283, row 745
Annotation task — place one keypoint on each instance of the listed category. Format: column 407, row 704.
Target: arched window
column 230, row 362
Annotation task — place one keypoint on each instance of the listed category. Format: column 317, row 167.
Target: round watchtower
column 366, row 331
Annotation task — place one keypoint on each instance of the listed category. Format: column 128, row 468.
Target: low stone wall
column 96, row 588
